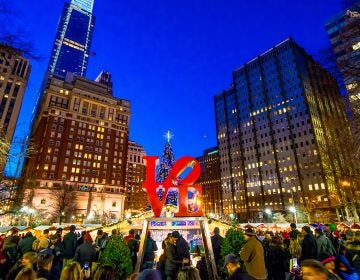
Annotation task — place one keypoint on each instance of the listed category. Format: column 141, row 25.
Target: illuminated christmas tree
column 166, row 163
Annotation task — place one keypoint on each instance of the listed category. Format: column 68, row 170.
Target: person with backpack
column 324, row 244
column 69, row 242
column 149, row 251
column 133, row 245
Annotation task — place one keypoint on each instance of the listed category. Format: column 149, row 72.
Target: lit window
column 356, row 46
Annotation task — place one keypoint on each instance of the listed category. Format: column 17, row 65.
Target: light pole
column 293, row 210
column 268, row 213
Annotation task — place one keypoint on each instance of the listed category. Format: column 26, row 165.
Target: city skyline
column 171, row 58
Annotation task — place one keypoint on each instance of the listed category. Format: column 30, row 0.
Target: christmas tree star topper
column 168, row 135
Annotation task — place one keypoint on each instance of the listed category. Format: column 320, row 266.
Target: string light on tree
column 166, row 163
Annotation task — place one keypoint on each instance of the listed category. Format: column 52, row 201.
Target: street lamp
column 29, row 212
column 293, row 210
column 268, row 212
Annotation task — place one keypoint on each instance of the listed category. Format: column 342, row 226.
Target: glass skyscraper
column 281, row 128
column 73, row 39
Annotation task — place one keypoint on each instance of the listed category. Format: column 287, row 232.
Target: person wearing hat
column 232, row 266
column 86, row 254
column 182, row 248
column 308, row 245
column 329, row 263
column 252, row 254
column 69, row 243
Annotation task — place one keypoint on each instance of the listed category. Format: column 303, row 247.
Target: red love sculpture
column 173, row 180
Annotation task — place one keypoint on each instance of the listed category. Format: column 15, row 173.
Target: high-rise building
column 72, row 44
column 280, row 128
column 344, row 31
column 82, row 134
column 14, row 75
column 136, row 196
column 210, row 180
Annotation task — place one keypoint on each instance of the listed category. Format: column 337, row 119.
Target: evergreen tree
column 233, row 242
column 166, row 163
column 117, row 255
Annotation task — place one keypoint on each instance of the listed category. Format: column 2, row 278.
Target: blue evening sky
column 169, row 58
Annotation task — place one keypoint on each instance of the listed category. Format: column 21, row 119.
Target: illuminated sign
column 189, row 205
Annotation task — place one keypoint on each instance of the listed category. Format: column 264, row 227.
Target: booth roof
column 8, row 228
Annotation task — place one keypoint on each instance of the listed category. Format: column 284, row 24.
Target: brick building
column 79, row 170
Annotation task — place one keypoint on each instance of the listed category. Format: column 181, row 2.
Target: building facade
column 72, row 44
column 79, row 170
column 136, row 196
column 344, row 34
column 14, row 75
column 279, row 131
column 210, row 180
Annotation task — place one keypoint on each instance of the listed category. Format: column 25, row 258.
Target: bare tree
column 14, row 38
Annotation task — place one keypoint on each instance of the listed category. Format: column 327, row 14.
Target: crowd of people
column 52, row 257
column 322, row 254
column 310, row 255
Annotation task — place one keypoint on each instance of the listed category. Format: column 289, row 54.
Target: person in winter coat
column 182, row 247
column 308, row 245
column 44, row 263
column 133, row 245
column 69, row 243
column 276, row 259
column 11, row 253
column 25, row 244
column 101, row 241
column 173, row 263
column 329, row 263
column 149, row 251
column 343, row 267
column 216, row 242
column 85, row 253
column 57, row 250
column 252, row 254
column 353, row 251
column 28, row 260
column 324, row 244
column 232, row 265
column 3, row 265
